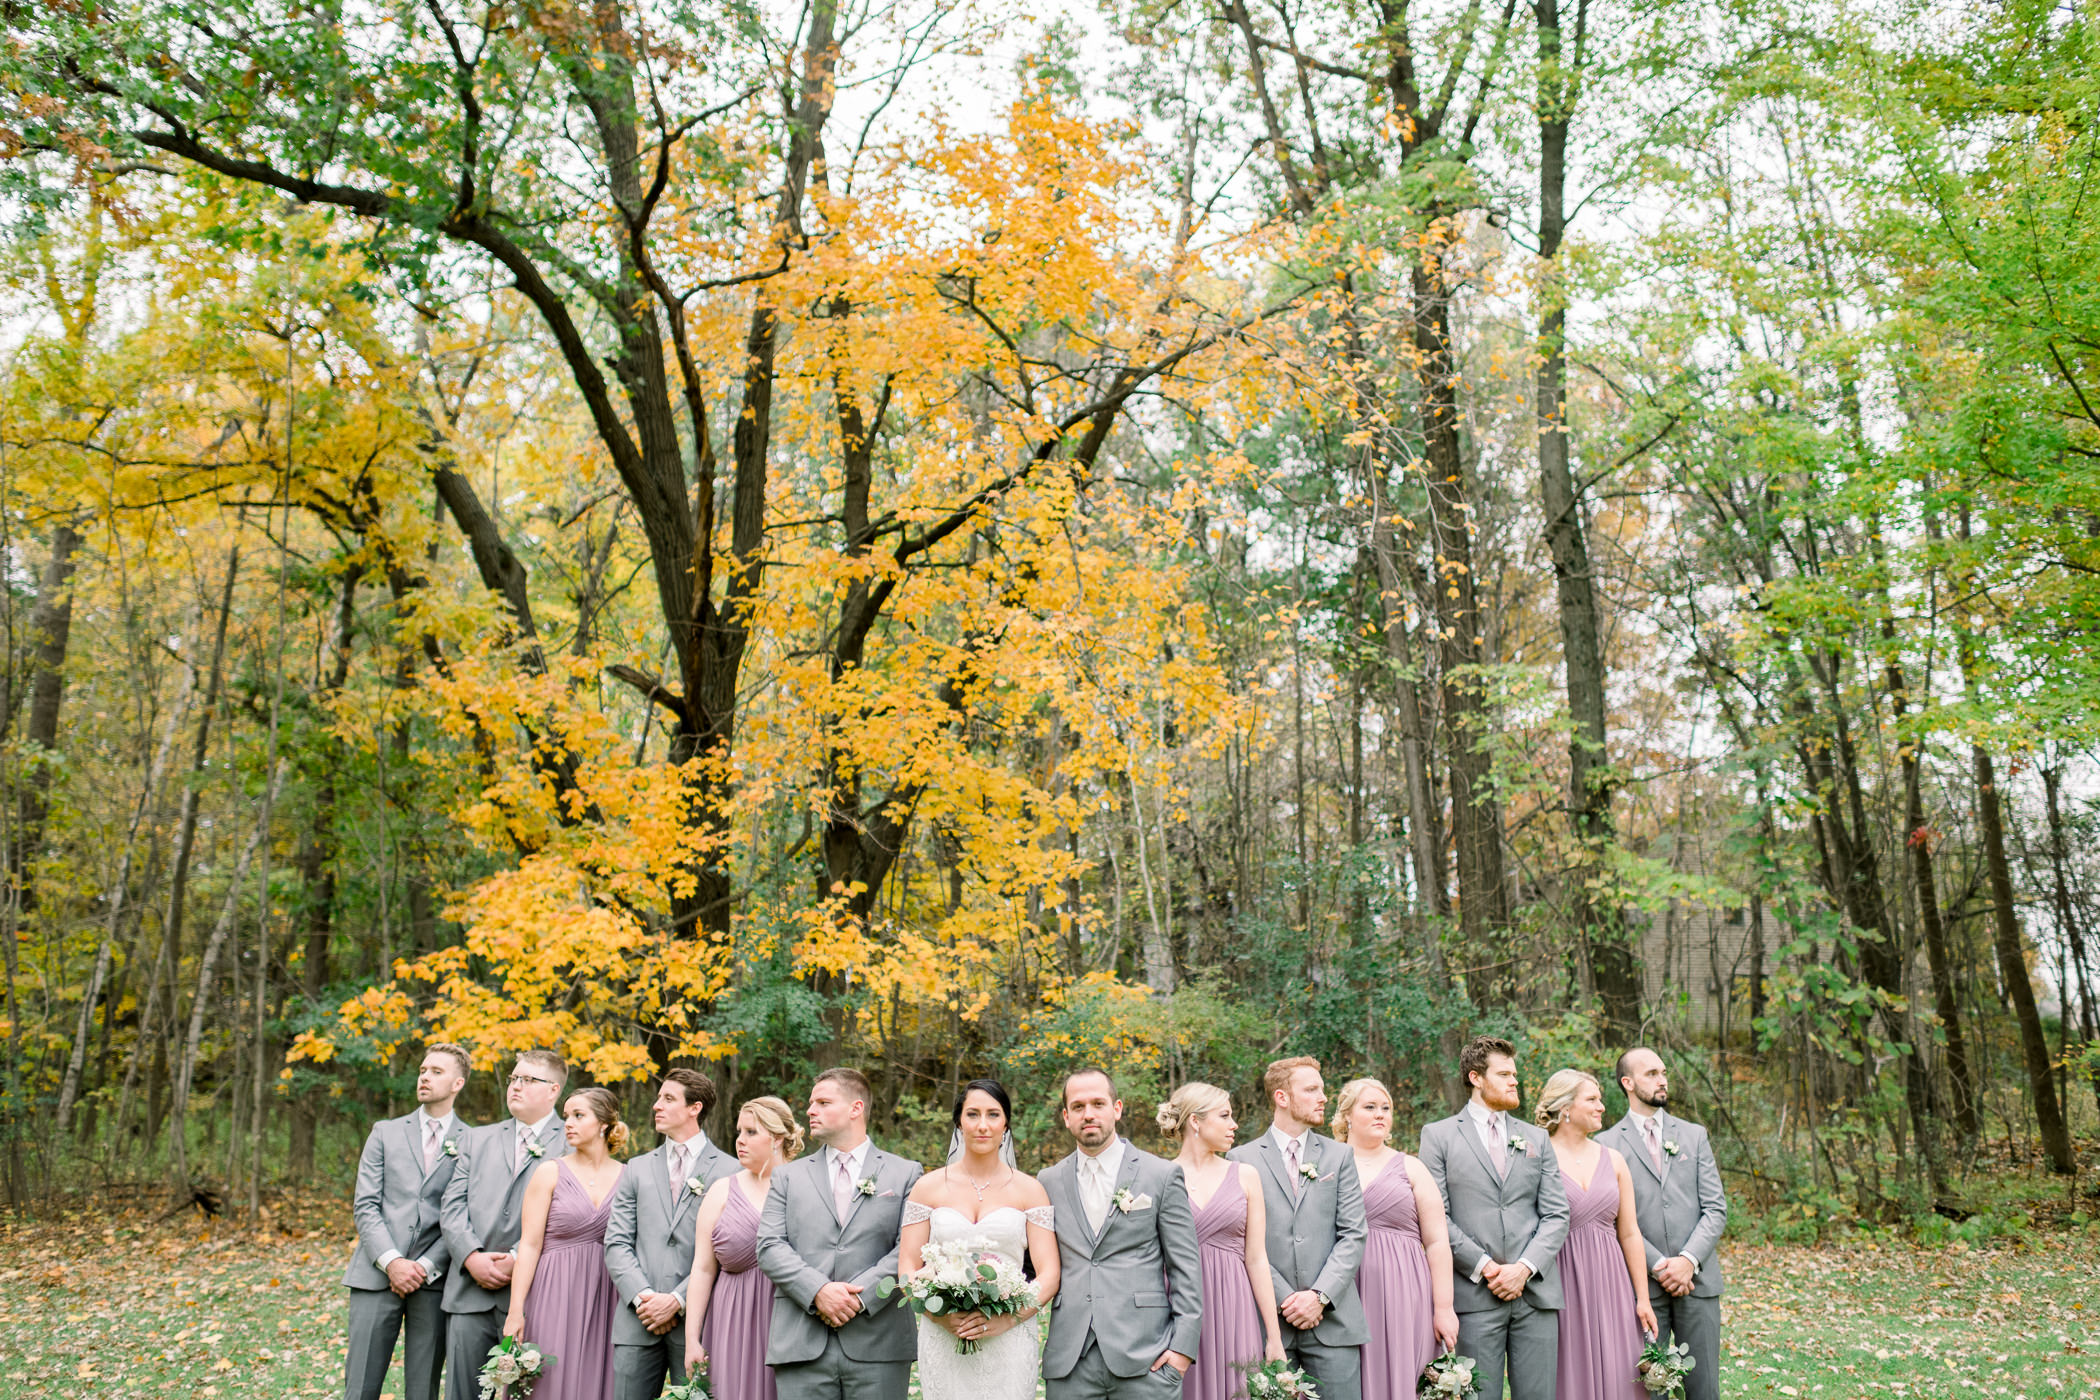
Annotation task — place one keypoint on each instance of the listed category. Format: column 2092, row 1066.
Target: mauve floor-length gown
column 1600, row 1337
column 1394, row 1281
column 569, row 1312
column 1232, row 1332
column 740, row 1309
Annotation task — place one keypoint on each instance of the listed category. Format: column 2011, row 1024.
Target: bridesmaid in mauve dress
column 728, row 1298
column 1604, row 1308
column 561, row 1297
column 1405, row 1278
column 1239, row 1298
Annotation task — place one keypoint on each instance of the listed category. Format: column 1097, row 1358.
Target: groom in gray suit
column 1129, row 1306
column 1508, row 1217
column 1682, row 1211
column 396, row 1278
column 482, row 1214
column 827, row 1237
column 649, row 1237
column 1316, row 1230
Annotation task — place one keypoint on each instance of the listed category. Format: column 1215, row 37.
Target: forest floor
column 180, row 1307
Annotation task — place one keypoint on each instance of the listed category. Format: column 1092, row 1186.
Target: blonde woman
column 1405, row 1278
column 561, row 1294
column 729, row 1299
column 1603, row 1266
column 1239, row 1295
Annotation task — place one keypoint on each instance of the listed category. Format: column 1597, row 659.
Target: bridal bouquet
column 1449, row 1377
column 960, row 1276
column 1662, row 1369
column 1275, row 1380
column 512, row 1370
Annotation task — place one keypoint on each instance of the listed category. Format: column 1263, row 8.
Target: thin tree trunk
column 69, row 1082
column 207, row 966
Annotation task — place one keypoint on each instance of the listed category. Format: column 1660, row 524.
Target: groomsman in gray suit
column 1682, row 1211
column 1316, row 1229
column 483, row 1209
column 1129, row 1306
column 396, row 1278
column 1508, row 1218
column 827, row 1236
column 649, row 1237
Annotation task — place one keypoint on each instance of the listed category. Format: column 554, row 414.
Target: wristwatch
column 1325, row 1301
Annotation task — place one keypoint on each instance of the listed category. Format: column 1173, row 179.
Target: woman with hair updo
column 1604, row 1306
column 1239, row 1295
column 1405, row 1278
column 562, row 1297
column 728, row 1298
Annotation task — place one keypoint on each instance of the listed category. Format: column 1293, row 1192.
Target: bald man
column 1677, row 1197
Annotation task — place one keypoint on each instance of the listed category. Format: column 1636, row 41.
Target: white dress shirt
column 855, row 1160
column 692, row 1147
column 1097, row 1181
column 420, row 1131
column 1493, row 1127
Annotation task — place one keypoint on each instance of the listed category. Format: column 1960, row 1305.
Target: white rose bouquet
column 1449, row 1377
column 1276, row 1380
column 961, row 1276
column 1661, row 1369
column 512, row 1370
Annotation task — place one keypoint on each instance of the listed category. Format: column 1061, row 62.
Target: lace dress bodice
column 1008, row 1366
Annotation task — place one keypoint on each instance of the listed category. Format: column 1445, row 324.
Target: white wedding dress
column 1009, row 1366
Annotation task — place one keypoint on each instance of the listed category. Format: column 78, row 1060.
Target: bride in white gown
column 981, row 1196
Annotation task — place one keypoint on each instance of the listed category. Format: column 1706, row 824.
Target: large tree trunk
column 1590, row 783
column 2012, row 968
column 2073, row 925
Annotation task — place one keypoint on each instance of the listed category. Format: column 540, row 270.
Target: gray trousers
column 1697, row 1323
column 836, row 1376
column 1092, row 1380
column 1338, row 1372
column 378, row 1317
column 641, row 1368
column 468, row 1339
column 1516, row 1341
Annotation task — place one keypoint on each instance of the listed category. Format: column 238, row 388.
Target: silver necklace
column 978, row 1186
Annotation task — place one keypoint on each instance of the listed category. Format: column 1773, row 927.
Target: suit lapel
column 871, row 1170
column 1272, row 1163
column 1062, row 1182
column 1471, row 1133
column 1125, row 1174
column 1630, row 1145
column 412, row 1129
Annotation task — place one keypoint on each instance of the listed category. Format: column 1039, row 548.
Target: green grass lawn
column 187, row 1310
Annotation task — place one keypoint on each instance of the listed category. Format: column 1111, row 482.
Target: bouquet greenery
column 1275, row 1380
column 1449, row 1377
column 1662, row 1369
column 512, row 1370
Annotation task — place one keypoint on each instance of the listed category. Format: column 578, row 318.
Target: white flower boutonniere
column 1309, row 1171
column 535, row 1151
column 451, row 1147
column 1127, row 1202
column 1520, row 1144
column 865, row 1186
column 1670, row 1148
column 695, row 1185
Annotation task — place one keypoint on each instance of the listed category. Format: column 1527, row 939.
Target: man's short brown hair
column 547, row 1060
column 852, row 1081
column 697, row 1088
column 1064, row 1093
column 1474, row 1058
column 1276, row 1079
column 457, row 1053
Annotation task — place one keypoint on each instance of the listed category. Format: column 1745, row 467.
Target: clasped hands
column 838, row 1303
column 1675, row 1275
column 976, row 1327
column 658, row 1311
column 1506, row 1281
column 405, row 1276
column 1303, row 1309
column 490, row 1270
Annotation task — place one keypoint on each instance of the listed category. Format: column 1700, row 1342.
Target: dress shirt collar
column 1285, row 1141
column 694, row 1146
column 533, row 1130
column 853, row 1160
column 1110, row 1158
column 1481, row 1115
column 426, row 1117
